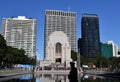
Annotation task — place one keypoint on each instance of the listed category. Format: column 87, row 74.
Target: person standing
column 73, row 75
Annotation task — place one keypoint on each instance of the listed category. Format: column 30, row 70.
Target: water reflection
column 52, row 78
column 56, row 78
column 19, row 78
column 25, row 77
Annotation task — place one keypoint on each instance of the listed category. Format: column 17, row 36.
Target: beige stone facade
column 57, row 50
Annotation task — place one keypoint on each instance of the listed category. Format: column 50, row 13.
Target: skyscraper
column 20, row 33
column 90, row 42
column 57, row 20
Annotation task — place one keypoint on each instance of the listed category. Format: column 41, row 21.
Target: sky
column 108, row 12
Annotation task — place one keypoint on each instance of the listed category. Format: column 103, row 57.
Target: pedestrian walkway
column 5, row 73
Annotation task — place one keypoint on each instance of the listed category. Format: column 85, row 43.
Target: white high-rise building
column 20, row 33
column 114, row 47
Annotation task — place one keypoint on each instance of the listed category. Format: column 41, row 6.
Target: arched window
column 58, row 47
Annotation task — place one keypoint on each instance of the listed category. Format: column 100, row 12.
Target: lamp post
column 78, row 59
column 79, row 62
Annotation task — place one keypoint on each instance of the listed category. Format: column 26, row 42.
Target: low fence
column 95, row 71
column 53, row 71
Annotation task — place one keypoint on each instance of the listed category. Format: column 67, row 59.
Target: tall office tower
column 57, row 20
column 20, row 33
column 90, row 35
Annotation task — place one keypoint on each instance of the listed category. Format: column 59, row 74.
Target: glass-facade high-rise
column 20, row 33
column 90, row 42
column 106, row 50
column 57, row 20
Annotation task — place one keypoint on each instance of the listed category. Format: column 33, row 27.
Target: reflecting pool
column 56, row 78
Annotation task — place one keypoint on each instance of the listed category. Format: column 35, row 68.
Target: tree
column 10, row 55
column 73, row 55
column 90, row 61
column 14, row 56
column 115, row 62
column 3, row 48
column 102, row 61
column 17, row 56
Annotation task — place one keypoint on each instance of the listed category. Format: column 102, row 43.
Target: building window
column 58, row 48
